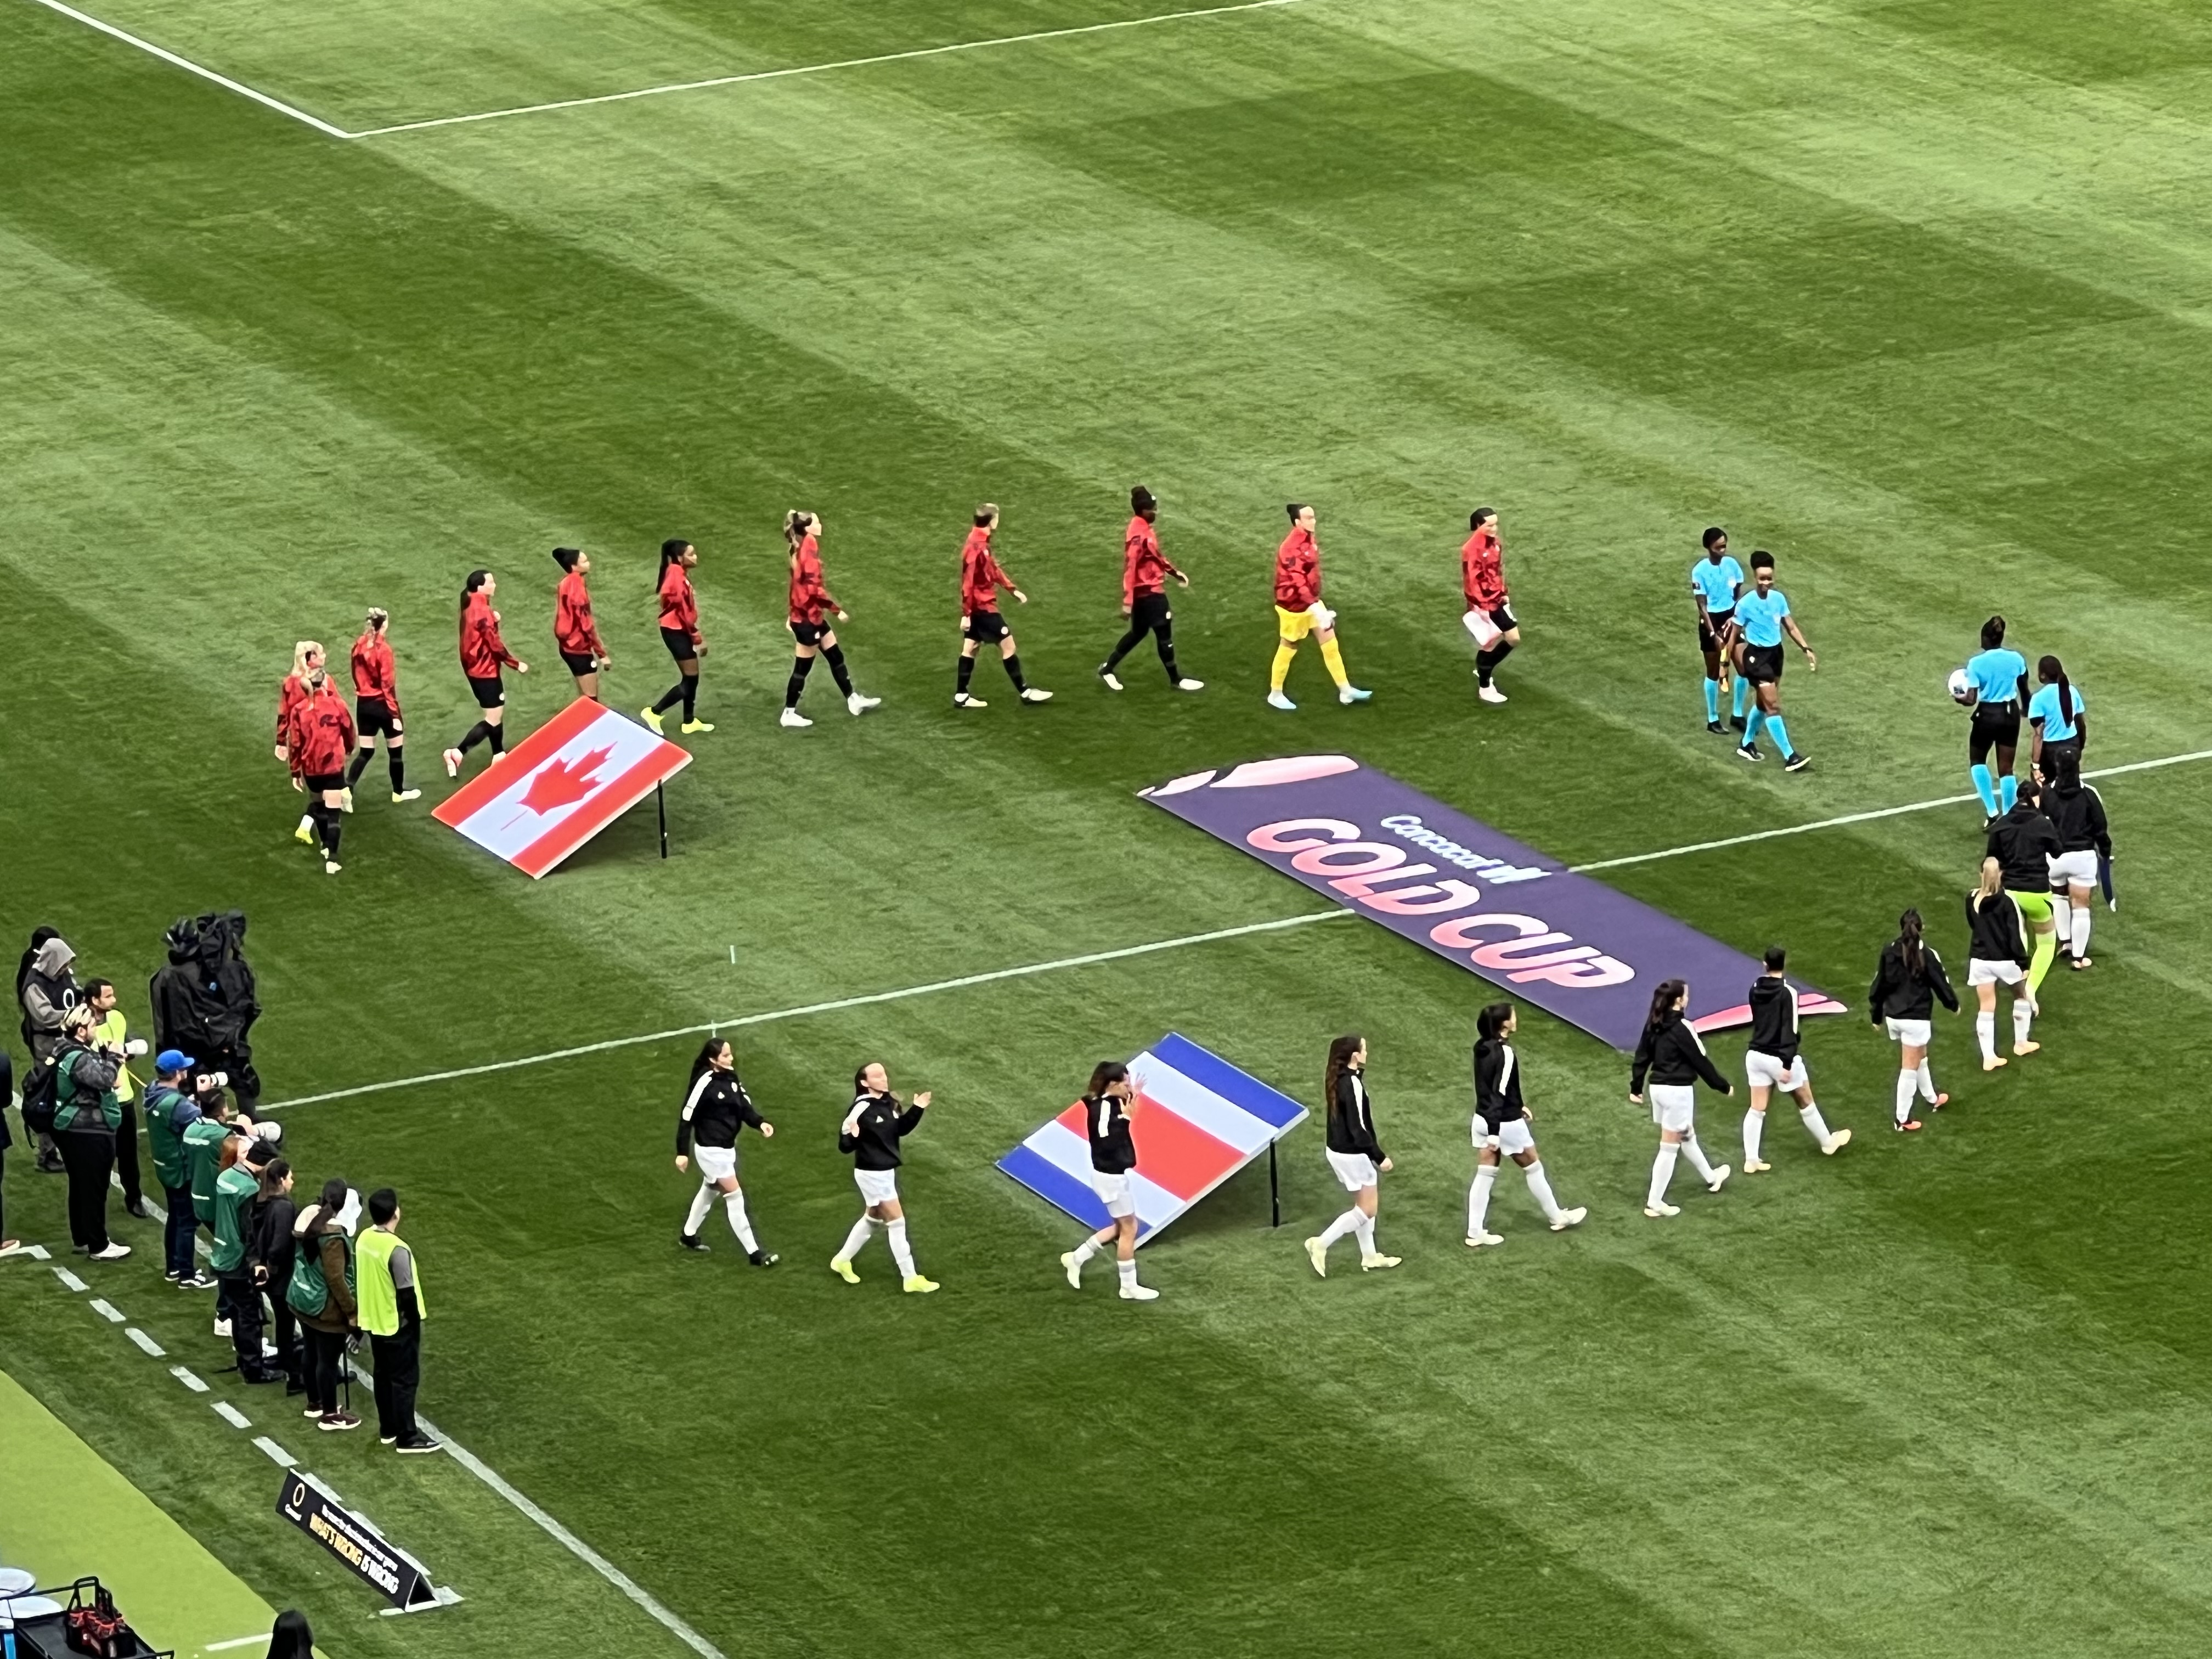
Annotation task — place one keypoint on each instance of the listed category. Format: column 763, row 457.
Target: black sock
column 330, row 820
column 1128, row 642
column 1167, row 653
column 1014, row 672
column 498, row 736
column 361, row 760
column 1485, row 663
column 1500, row 652
column 800, row 668
column 670, row 698
column 966, row 674
column 690, row 698
column 478, row 733
column 835, row 654
column 398, row 769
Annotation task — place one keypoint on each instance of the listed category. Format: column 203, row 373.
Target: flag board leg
column 1274, row 1190
column 660, row 806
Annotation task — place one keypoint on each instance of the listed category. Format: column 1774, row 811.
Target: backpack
column 41, row 1094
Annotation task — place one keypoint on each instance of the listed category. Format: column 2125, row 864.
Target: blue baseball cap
column 174, row 1060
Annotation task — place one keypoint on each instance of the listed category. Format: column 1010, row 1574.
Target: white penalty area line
column 918, row 52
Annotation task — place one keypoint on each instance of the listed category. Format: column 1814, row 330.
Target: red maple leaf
column 559, row 784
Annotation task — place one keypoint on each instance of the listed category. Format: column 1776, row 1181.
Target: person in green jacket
column 391, row 1310
column 235, row 1189
column 86, row 1114
column 173, row 1106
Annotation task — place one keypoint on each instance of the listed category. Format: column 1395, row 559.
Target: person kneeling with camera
column 178, row 1100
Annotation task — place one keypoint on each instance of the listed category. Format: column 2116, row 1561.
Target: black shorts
column 1503, row 618
column 1148, row 612
column 323, row 782
column 681, row 646
column 1711, row 627
column 1762, row 663
column 373, row 718
column 491, row 692
column 984, row 627
column 1996, row 725
column 2055, row 755
column 810, row 633
column 580, row 662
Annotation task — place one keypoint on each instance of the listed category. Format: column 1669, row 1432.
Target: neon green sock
column 2047, row 951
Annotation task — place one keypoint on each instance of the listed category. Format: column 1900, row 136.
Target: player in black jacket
column 2076, row 812
column 1107, row 1107
column 715, row 1108
column 1998, row 955
column 1672, row 1056
column 2025, row 842
column 1354, row 1153
column 871, row 1134
column 1907, row 982
column 1772, row 1061
column 1501, row 1129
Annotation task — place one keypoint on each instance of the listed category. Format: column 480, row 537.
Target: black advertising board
column 396, row 1576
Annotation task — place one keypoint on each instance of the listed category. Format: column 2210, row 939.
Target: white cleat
column 401, row 796
column 1190, row 685
column 1753, row 1166
column 332, row 867
column 1317, row 1253
column 1276, row 699
column 1478, row 1241
column 1073, row 1269
column 1139, row 1293
column 1835, row 1143
column 962, row 700
column 1657, row 1211
column 1489, row 694
column 1376, row 1262
column 1107, row 679
column 1721, row 1173
column 453, row 758
column 793, row 719
column 857, row 705
column 113, row 1252
column 1573, row 1217
column 1352, row 693
column 1031, row 693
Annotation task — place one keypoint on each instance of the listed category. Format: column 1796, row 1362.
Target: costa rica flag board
column 1197, row 1121
column 561, row 786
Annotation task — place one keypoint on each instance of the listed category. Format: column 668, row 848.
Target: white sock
column 1085, row 1250
column 1754, row 1122
column 307, row 821
column 699, row 1202
column 899, row 1253
column 1986, row 1033
column 1662, row 1171
column 1128, row 1271
column 1366, row 1232
column 1816, row 1125
column 734, row 1205
column 1696, row 1154
column 1478, row 1198
column 863, row 1230
column 1539, row 1188
column 2081, row 930
column 2023, row 1013
column 1927, row 1083
column 1348, row 1222
column 1906, row 1080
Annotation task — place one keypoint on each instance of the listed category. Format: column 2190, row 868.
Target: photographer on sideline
column 170, row 1111
column 391, row 1311
column 114, row 1031
column 86, row 1114
column 235, row 1189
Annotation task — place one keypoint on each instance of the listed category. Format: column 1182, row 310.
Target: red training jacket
column 808, row 598
column 321, row 735
column 1482, row 570
column 981, row 578
column 482, row 652
column 574, row 630
column 1144, row 569
column 288, row 698
column 374, row 672
column 1298, row 571
column 679, row 606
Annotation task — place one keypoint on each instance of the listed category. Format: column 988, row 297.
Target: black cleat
column 692, row 1241
column 1745, row 752
column 1736, row 723
column 1715, row 728
column 1797, row 762
column 763, row 1258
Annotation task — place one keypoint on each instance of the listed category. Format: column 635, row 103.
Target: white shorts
column 2074, row 869
column 1674, row 1105
column 1112, row 1192
column 876, row 1186
column 1511, row 1140
column 1354, row 1169
column 2007, row 972
column 1913, row 1033
column 715, row 1163
column 1765, row 1071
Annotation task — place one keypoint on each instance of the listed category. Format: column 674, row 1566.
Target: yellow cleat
column 304, row 834
column 843, row 1269
column 917, row 1285
column 690, row 727
column 651, row 718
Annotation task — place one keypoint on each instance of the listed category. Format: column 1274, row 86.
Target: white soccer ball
column 1958, row 685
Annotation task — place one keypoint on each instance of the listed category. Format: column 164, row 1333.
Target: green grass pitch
column 1912, row 293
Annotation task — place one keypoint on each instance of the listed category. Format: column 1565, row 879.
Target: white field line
column 325, row 127
column 1096, row 956
column 873, row 997
column 274, row 1452
column 816, row 68
column 145, row 1344
column 232, row 1415
column 200, row 70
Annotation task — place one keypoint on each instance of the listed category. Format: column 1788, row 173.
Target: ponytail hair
column 378, row 616
column 797, row 524
column 1993, row 633
column 299, row 650
column 670, row 551
column 1908, row 940
column 1490, row 1024
column 2068, row 780
column 2051, row 672
column 469, row 588
column 1339, row 1061
column 1105, row 1072
column 1992, row 882
column 566, row 557
column 704, row 1062
column 1662, row 1002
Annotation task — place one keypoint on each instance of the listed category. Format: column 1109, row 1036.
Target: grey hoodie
column 49, row 991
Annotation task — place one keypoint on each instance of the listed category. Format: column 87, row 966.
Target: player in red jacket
column 306, row 660
column 376, row 710
column 575, row 634
column 1489, row 615
column 1145, row 572
column 981, row 578
column 810, row 604
column 319, row 737
column 679, row 632
column 1299, row 611
column 483, row 654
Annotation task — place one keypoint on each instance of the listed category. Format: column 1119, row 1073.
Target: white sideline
column 323, row 126
column 1145, row 949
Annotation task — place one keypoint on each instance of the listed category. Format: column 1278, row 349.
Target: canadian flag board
column 561, row 786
